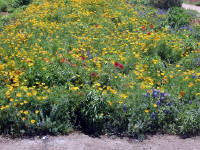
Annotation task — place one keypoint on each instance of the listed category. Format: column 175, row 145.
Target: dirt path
column 79, row 141
column 192, row 7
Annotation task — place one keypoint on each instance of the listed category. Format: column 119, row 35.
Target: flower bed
column 102, row 66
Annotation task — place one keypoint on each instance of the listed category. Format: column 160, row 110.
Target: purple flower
column 161, row 12
column 190, row 102
column 165, row 111
column 146, row 94
column 158, row 103
column 153, row 116
column 155, row 94
column 124, row 107
column 169, row 111
column 169, row 104
column 88, row 53
column 193, row 75
column 165, row 94
column 90, row 56
column 162, row 94
column 162, row 98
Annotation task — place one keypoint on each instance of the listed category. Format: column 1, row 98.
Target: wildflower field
column 102, row 66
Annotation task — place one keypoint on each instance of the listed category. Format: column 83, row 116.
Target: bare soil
column 80, row 141
column 4, row 13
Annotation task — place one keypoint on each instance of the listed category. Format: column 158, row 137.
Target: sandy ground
column 79, row 141
column 192, row 7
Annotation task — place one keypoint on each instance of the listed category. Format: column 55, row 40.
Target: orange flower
column 46, row 59
column 182, row 93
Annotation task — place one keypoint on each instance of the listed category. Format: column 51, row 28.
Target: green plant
column 197, row 4
column 165, row 4
column 165, row 52
column 3, row 6
column 18, row 3
column 178, row 17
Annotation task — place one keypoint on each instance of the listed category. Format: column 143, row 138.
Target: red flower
column 73, row 65
column 143, row 27
column 93, row 74
column 121, row 66
column 117, row 64
column 149, row 33
column 96, row 26
column 83, row 57
column 62, row 60
column 151, row 26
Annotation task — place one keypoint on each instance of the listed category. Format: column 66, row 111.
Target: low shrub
column 178, row 17
column 3, row 6
column 165, row 4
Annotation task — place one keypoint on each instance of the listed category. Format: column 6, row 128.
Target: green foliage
column 53, row 117
column 197, row 4
column 18, row 3
column 143, row 2
column 178, row 17
column 3, row 5
column 165, row 4
column 165, row 52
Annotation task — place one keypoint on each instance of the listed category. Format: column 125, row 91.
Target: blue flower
column 193, row 75
column 169, row 111
column 162, row 94
column 162, row 98
column 153, row 116
column 124, row 107
column 88, row 53
column 158, row 103
column 90, row 56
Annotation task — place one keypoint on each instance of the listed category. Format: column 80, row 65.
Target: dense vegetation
column 102, row 66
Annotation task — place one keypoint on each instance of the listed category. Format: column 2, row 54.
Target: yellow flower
column 28, row 94
column 113, row 91
column 32, row 121
column 23, row 118
column 75, row 88
column 104, row 91
column 177, row 66
column 155, row 105
column 123, row 96
column 191, row 84
column 171, row 76
column 34, row 92
column 110, row 103
column 120, row 101
column 19, row 95
column 146, row 110
column 26, row 112
column 101, row 114
column 155, row 61
column 37, row 111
